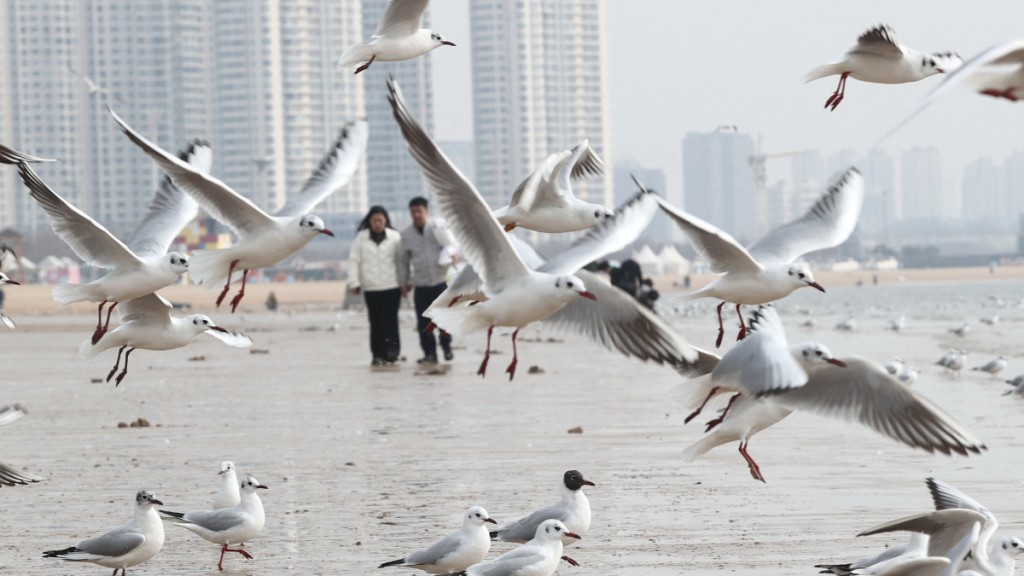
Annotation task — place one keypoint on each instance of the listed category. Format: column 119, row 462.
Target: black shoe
column 430, row 359
column 448, row 355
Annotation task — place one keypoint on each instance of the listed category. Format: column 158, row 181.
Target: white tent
column 672, row 262
column 649, row 263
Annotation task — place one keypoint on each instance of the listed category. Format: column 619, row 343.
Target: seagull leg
column 240, row 551
column 238, row 297
column 510, row 226
column 124, row 371
column 98, row 333
column 116, row 363
column 721, row 327
column 755, row 470
column 101, row 331
column 487, row 354
column 570, row 561
column 837, row 96
column 743, row 325
column 1008, row 94
column 454, row 301
column 367, row 65
column 227, row 283
column 430, row 328
column 721, row 418
column 696, row 412
column 511, row 370
column 220, row 564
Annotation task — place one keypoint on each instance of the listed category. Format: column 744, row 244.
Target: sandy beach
column 364, row 466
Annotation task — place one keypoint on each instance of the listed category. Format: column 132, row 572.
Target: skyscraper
column 921, row 178
column 718, row 180
column 539, row 85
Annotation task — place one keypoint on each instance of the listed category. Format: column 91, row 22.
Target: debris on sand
column 535, row 370
column 576, row 430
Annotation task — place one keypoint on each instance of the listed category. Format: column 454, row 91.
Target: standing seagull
column 9, row 476
column 544, row 202
column 993, row 366
column 456, row 551
column 147, row 323
column 12, row 156
column 573, row 510
column 398, row 37
column 226, row 526
column 228, row 494
column 766, row 271
column 264, row 239
column 123, row 547
column 878, row 57
column 538, row 557
column 139, row 268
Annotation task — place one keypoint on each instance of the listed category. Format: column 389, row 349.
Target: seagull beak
column 815, row 285
column 587, row 294
column 836, row 362
column 588, row 483
column 263, row 487
column 492, row 521
column 941, row 70
column 13, row 282
column 448, row 43
column 219, row 329
column 572, row 535
column 157, row 502
column 328, row 232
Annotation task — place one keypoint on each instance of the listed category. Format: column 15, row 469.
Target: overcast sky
column 677, row 66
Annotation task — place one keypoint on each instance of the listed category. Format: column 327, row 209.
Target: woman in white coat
column 373, row 271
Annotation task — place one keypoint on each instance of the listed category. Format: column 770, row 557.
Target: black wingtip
column 59, row 553
column 494, row 535
column 177, row 515
column 398, row 562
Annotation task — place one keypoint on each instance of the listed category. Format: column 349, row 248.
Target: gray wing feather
column 215, row 520
column 151, row 308
column 945, row 528
column 879, row 41
column 401, row 18
column 11, row 414
column 761, row 363
column 335, row 170
column 171, row 209
column 509, row 562
column 718, row 248
column 11, row 477
column 12, row 156
column 117, row 542
column 436, row 551
column 524, row 529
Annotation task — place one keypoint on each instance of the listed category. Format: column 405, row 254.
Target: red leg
column 721, row 327
column 430, row 328
column 721, row 418
column 367, row 65
column 117, row 363
column 238, row 297
column 1008, row 94
column 711, row 395
column 511, row 370
column 755, row 470
column 837, row 96
column 101, row 331
column 487, row 354
column 98, row 333
column 124, row 371
column 227, row 283
column 510, row 227
column 454, row 301
column 570, row 561
column 220, row 564
column 743, row 325
column 240, row 551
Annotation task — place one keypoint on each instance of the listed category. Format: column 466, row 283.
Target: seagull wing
column 171, row 209
column 515, row 561
column 11, row 414
column 863, row 391
column 12, row 156
column 945, row 528
column 117, row 542
column 760, row 363
column 478, row 234
column 401, row 18
column 879, row 41
column 93, row 243
column 467, row 284
column 11, row 477
column 719, row 249
column 435, row 552
column 610, row 235
column 232, row 338
column 151, row 308
column 335, row 170
column 618, row 322
column 946, row 497
column 214, row 196
column 827, row 224
column 215, row 520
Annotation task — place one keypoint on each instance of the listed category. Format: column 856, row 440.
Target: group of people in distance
column 386, row 265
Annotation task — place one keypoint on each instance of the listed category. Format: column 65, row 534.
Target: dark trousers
column 423, row 297
column 382, row 309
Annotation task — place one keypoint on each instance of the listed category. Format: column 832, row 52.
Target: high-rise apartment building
column 922, row 195
column 718, row 180
column 539, row 85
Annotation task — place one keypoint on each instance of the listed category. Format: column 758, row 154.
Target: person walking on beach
column 373, row 271
column 424, row 267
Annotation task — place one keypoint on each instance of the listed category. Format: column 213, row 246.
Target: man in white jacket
column 423, row 269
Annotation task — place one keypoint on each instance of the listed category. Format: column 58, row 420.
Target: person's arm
column 404, row 262
column 355, row 260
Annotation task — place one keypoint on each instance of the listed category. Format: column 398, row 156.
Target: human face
column 419, row 216
column 377, row 223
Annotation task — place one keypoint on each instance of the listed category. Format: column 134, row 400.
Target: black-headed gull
column 123, row 547
column 767, row 270
column 228, row 492
column 573, row 510
column 456, row 551
column 8, row 475
column 538, row 557
column 398, row 37
column 914, row 549
column 141, row 266
column 895, row 366
column 771, row 379
column 147, row 323
column 12, row 156
column 878, row 57
column 264, row 239
column 1018, row 386
column 952, row 533
column 615, row 319
column 544, row 202
column 961, row 330
column 4, row 318
column 993, row 366
column 227, row 526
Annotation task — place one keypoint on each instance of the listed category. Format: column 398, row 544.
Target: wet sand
column 364, row 465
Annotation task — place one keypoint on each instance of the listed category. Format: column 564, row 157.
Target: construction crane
column 759, row 163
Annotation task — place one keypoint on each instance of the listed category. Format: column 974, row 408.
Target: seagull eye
column 805, row 353
column 818, row 352
column 801, row 275
column 931, row 62
column 569, row 284
column 597, row 214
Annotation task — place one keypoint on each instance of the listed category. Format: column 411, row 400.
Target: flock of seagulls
column 507, row 284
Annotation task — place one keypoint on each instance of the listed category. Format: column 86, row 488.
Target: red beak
column 589, row 295
column 219, row 329
column 815, row 285
column 13, row 282
column 449, row 43
column 492, row 521
column 836, row 362
column 572, row 535
column 331, row 234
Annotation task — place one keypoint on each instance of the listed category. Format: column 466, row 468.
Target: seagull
column 226, row 526
column 516, row 295
column 878, row 57
column 138, row 268
column 766, row 271
column 899, row 324
column 952, row 534
column 12, row 156
column 914, row 549
column 961, row 330
column 544, row 202
column 615, row 319
column 770, row 379
column 398, row 37
column 1018, row 386
column 895, row 366
column 573, row 510
column 538, row 557
column 957, row 363
column 123, row 547
column 147, row 323
column 8, row 475
column 4, row 318
column 993, row 366
column 456, row 551
column 848, row 325
column 227, row 493
column 264, row 239
column 908, row 375
column 990, row 320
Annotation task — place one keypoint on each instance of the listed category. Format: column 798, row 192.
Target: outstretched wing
column 401, row 18
column 879, row 41
column 718, row 248
column 335, row 170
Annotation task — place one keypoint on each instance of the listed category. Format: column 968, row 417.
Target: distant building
column 880, row 198
column 539, row 85
column 462, row 153
column 660, row 230
column 922, row 191
column 718, row 181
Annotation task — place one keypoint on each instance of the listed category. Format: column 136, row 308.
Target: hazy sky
column 679, row 65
